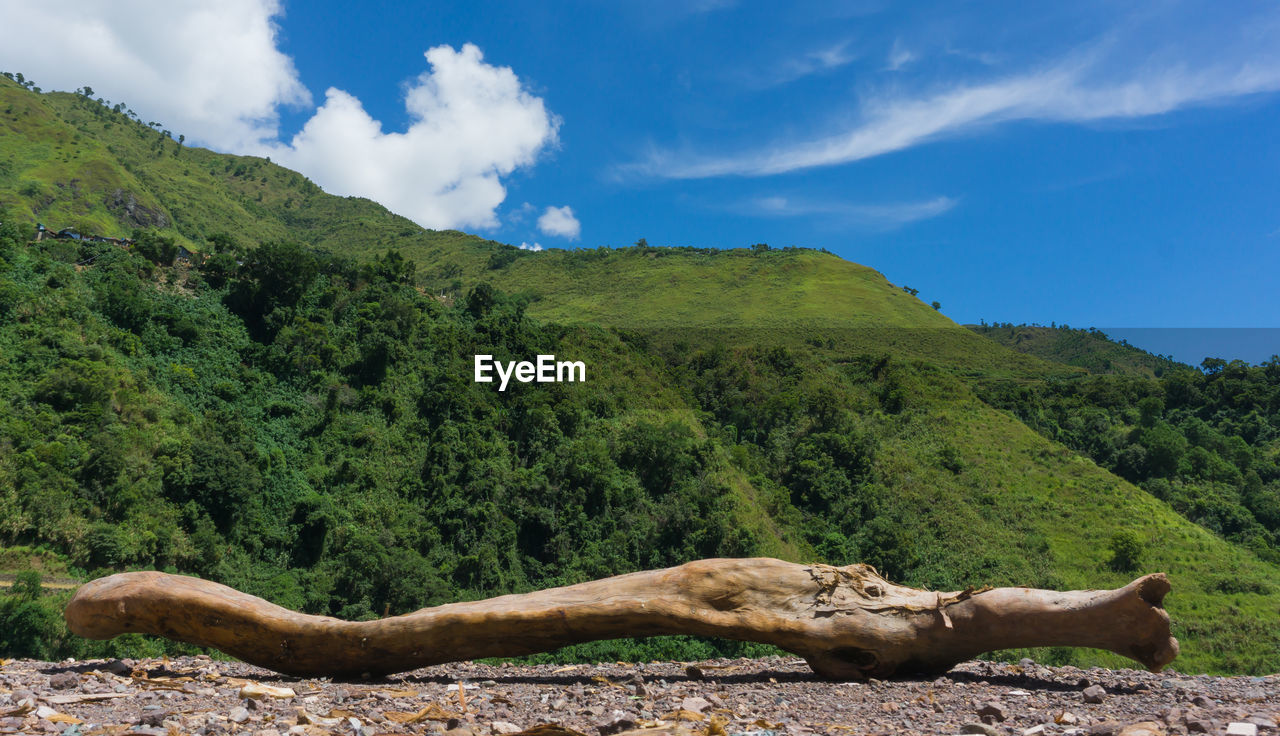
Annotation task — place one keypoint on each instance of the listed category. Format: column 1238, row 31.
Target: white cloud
column 899, row 56
column 1075, row 90
column 210, row 70
column 812, row 62
column 535, row 247
column 560, row 221
column 470, row 124
column 879, row 215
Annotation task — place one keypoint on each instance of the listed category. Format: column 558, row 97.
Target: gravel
column 763, row 697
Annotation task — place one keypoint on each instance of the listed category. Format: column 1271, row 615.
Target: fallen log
column 847, row 622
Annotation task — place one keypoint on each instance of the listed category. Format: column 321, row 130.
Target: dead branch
column 847, row 622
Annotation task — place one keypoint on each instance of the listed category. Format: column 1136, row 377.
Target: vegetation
column 1090, row 349
column 294, row 414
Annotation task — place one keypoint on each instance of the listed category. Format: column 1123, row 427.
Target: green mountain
column 296, row 416
column 1090, row 349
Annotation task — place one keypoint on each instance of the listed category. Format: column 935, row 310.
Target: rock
column 1201, row 701
column 64, row 681
column 116, row 667
column 154, row 718
column 239, row 714
column 994, row 711
column 1196, row 724
column 1242, row 728
column 266, row 732
column 258, row 690
column 1261, row 721
column 460, row 731
column 1143, row 728
column 979, row 728
column 1094, row 694
column 617, row 724
column 696, row 705
column 1036, row 730
column 1106, row 728
column 1066, row 718
column 504, row 727
column 693, row 673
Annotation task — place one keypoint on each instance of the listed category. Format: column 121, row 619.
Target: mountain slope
column 306, row 427
column 1089, row 349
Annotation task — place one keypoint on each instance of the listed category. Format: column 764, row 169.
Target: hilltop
column 295, row 415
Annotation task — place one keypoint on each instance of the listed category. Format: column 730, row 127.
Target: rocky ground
column 767, row 697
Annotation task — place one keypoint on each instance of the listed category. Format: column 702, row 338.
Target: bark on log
column 847, row 622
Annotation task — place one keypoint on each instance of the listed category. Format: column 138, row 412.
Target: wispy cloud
column 1075, row 90
column 884, row 215
column 899, row 56
column 817, row 61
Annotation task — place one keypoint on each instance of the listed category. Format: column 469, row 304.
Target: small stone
column 1261, row 721
column 153, row 717
column 266, row 732
column 979, row 728
column 1034, row 730
column 1066, row 718
column 1242, row 728
column 560, row 704
column 594, row 710
column 1199, row 725
column 1094, row 694
column 617, row 724
column 1106, row 728
column 64, row 681
column 504, row 727
column 239, row 714
column 460, row 731
column 693, row 673
column 1201, row 701
column 115, row 667
column 1144, row 728
column 993, row 710
column 696, row 705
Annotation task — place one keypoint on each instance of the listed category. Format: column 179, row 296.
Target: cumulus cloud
column 209, row 70
column 886, row 215
column 213, row 71
column 535, row 247
column 470, row 124
column 560, row 221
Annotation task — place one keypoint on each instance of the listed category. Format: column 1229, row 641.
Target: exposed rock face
column 125, row 206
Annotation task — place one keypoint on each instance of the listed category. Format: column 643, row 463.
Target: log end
column 1158, row 648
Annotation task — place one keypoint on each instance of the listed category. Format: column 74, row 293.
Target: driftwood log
column 847, row 622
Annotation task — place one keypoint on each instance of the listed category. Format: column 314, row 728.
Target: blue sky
column 1089, row 163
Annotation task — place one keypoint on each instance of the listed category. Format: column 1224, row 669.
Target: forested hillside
column 1090, row 349
column 298, row 418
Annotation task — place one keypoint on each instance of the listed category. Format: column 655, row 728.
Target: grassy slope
column 1093, row 351
column 1018, row 496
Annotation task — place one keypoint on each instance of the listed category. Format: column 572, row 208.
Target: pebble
column 64, row 681
column 1144, row 728
column 979, row 728
column 1242, row 729
column 1094, row 694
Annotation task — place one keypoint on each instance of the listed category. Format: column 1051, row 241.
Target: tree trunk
column 847, row 622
